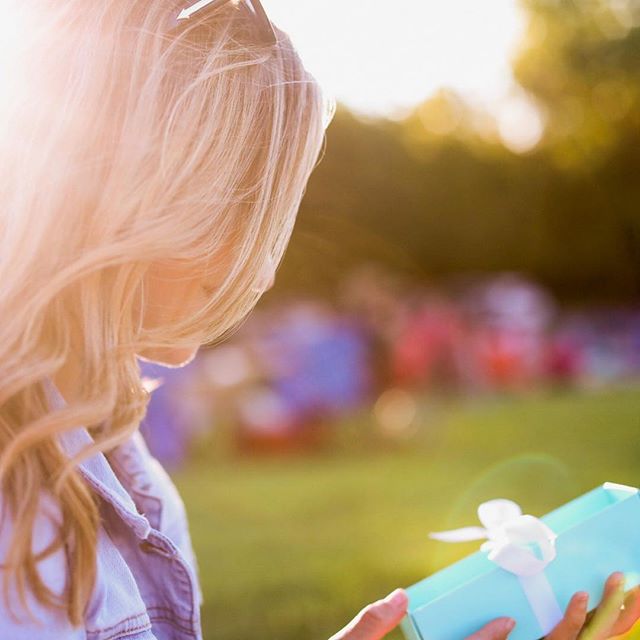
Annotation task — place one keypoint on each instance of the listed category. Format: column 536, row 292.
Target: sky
column 381, row 58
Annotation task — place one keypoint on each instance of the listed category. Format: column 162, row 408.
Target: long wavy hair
column 125, row 142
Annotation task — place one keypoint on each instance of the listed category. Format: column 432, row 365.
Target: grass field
column 292, row 548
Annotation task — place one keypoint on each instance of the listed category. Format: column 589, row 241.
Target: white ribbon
column 520, row 544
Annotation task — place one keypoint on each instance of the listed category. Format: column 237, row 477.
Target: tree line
column 432, row 196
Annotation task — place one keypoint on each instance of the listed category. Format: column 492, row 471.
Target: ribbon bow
column 521, row 544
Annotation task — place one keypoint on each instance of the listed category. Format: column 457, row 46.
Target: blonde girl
column 153, row 157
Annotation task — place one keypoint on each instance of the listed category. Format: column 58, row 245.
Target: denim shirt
column 147, row 586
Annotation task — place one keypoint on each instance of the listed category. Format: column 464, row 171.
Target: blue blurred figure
column 330, row 373
column 166, row 427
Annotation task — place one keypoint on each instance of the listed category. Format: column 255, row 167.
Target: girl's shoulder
column 146, row 584
column 116, row 609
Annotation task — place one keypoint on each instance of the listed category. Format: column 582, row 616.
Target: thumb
column 376, row 619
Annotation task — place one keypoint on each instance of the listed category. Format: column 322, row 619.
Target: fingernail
column 396, row 598
column 509, row 624
column 582, row 597
column 617, row 579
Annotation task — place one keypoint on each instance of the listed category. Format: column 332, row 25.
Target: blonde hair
column 124, row 143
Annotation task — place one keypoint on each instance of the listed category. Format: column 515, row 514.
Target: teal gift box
column 529, row 568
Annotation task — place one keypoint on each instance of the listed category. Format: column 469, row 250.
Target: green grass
column 292, row 548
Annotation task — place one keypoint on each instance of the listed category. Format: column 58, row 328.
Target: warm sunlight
column 383, row 57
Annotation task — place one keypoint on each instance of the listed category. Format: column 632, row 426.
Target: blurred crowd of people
column 282, row 380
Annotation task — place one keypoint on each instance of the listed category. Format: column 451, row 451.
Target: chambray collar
column 96, row 469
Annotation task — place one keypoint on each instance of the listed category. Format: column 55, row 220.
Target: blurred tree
column 581, row 61
column 437, row 194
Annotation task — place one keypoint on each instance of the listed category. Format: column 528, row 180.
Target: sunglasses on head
column 267, row 33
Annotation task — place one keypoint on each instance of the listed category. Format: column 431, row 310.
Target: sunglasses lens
column 266, row 28
column 267, row 32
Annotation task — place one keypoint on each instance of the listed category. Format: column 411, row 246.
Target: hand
column 377, row 619
column 615, row 614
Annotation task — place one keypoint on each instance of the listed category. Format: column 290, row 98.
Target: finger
column 573, row 620
column 497, row 629
column 630, row 614
column 376, row 619
column 608, row 610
